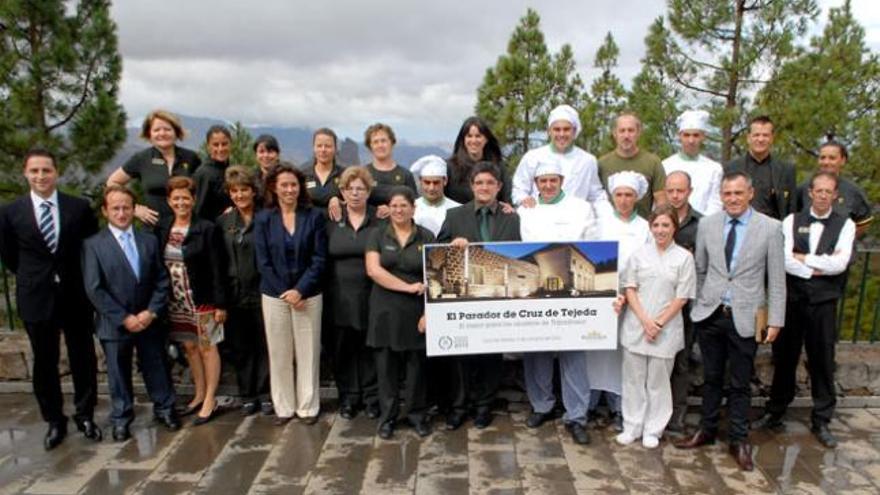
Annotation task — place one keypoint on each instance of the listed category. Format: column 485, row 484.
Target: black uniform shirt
column 149, row 166
column 321, row 194
column 387, row 180
column 348, row 286
column 686, row 236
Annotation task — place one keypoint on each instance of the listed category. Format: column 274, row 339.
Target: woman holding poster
column 659, row 279
column 397, row 313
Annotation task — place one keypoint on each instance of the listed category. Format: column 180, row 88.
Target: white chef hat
column 548, row 168
column 693, row 120
column 429, row 166
column 567, row 113
column 633, row 180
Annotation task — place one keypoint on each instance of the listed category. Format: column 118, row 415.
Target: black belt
column 725, row 310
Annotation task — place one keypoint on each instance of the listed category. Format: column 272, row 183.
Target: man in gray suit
column 127, row 282
column 738, row 249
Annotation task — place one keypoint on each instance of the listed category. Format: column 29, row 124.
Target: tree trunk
column 732, row 83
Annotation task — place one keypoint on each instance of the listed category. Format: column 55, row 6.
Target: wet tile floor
column 238, row 455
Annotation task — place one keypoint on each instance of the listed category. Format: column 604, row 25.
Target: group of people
column 265, row 267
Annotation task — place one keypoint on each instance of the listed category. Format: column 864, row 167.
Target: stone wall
column 858, row 367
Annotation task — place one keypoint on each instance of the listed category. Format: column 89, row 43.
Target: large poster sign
column 520, row 297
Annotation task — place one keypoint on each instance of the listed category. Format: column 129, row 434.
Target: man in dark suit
column 476, row 378
column 41, row 236
column 739, row 260
column 127, row 282
column 773, row 179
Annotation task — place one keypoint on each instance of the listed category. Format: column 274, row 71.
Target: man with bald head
column 628, row 156
column 705, row 173
column 678, row 192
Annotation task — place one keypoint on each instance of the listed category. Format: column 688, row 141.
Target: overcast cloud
column 345, row 64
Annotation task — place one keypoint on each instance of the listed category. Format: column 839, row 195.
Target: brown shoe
column 742, row 452
column 699, row 439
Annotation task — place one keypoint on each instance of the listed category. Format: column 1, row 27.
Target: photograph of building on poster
column 521, row 270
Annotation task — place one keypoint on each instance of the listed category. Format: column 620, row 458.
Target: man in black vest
column 818, row 248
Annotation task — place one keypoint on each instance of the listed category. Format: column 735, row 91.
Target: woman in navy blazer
column 291, row 248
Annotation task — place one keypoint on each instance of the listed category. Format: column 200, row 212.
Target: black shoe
column 200, row 420
column 824, row 435
column 309, row 420
column 121, row 433
column 347, row 411
column 769, row 421
column 267, row 408
column 536, row 419
column 423, row 428
column 386, row 430
column 89, row 429
column 617, row 422
column 55, row 435
column 281, row 420
column 372, row 411
column 455, row 419
column 578, row 433
column 250, row 408
column 483, row 419
column 169, row 420
column 188, row 411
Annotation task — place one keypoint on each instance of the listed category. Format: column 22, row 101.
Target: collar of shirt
column 437, row 204
column 743, row 219
column 684, row 156
column 690, row 217
column 38, row 200
column 767, row 159
column 117, row 232
column 492, row 207
column 553, row 201
column 819, row 217
column 390, row 234
column 631, row 219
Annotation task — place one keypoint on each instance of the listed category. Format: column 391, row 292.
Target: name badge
column 803, row 230
column 310, row 184
column 390, row 248
column 158, row 161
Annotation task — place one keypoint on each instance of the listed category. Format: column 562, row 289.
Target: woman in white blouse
column 659, row 279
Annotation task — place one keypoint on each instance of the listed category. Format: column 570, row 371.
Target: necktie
column 731, row 241
column 131, row 253
column 47, row 226
column 484, row 224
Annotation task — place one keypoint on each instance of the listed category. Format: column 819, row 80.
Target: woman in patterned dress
column 196, row 308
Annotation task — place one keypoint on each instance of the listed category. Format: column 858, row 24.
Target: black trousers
column 389, row 364
column 720, row 344
column 814, row 327
column 246, row 341
column 475, row 381
column 150, row 345
column 354, row 367
column 46, row 346
column 681, row 371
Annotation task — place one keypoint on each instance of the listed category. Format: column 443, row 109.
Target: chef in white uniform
column 431, row 206
column 632, row 232
column 557, row 216
column 705, row 173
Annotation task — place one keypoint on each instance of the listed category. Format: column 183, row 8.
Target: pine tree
column 654, row 97
column 723, row 50
column 59, row 82
column 242, row 146
column 606, row 99
column 517, row 94
column 833, row 89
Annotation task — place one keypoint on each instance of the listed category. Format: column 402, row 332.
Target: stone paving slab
column 235, row 455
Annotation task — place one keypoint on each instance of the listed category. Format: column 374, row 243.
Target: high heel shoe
column 190, row 410
column 200, row 420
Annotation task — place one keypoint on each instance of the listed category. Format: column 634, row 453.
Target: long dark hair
column 270, row 199
column 460, row 159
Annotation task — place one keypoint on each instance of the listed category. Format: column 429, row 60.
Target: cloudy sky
column 346, row 64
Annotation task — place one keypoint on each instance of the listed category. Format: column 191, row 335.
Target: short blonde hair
column 179, row 131
column 357, row 172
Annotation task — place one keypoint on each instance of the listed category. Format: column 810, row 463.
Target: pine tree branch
column 82, row 99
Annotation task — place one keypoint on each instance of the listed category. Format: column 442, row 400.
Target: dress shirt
column 117, row 234
column 740, row 237
column 828, row 264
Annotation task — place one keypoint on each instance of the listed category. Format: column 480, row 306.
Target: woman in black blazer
column 193, row 250
column 291, row 249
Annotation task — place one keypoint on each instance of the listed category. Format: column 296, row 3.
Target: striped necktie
column 47, row 226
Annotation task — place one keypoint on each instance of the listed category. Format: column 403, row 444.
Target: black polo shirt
column 150, row 168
